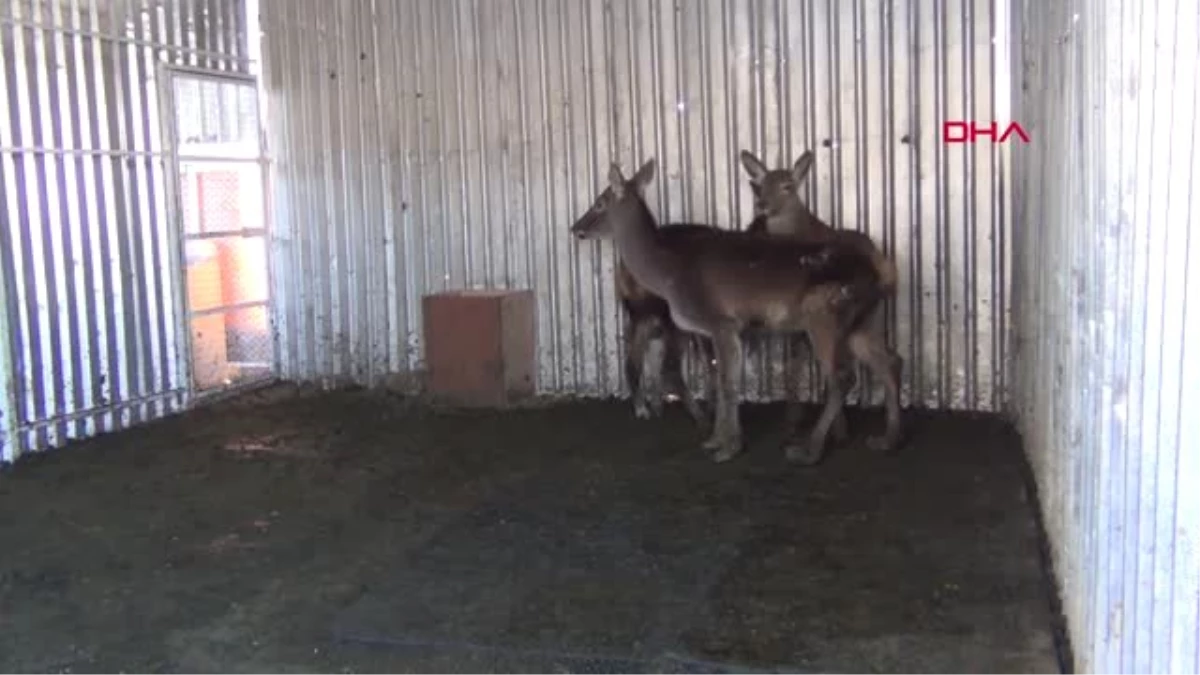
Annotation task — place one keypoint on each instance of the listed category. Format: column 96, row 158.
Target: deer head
column 595, row 223
column 776, row 190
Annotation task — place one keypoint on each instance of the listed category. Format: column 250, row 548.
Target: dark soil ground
column 356, row 531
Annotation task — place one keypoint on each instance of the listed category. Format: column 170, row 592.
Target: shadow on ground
column 358, row 532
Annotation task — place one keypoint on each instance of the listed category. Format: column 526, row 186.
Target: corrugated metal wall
column 421, row 145
column 1107, row 315
column 90, row 339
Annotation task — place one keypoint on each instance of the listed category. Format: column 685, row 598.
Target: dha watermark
column 970, row 131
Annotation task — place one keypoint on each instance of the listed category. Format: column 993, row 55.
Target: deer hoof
column 804, row 453
column 839, row 431
column 641, row 410
column 656, row 407
column 884, row 443
column 728, row 451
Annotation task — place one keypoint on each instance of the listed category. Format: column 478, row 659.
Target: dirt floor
column 354, row 531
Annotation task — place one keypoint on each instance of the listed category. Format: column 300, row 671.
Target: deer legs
column 825, row 345
column 637, row 339
column 726, row 439
column 795, row 410
column 675, row 343
column 665, row 347
column 871, row 349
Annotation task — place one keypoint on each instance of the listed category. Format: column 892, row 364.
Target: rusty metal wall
column 1106, row 318
column 421, row 145
column 90, row 339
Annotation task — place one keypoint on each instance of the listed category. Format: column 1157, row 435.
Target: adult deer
column 719, row 283
column 780, row 212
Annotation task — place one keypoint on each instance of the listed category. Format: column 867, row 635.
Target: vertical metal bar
column 165, row 251
column 889, row 156
column 422, row 170
column 31, row 257
column 172, row 35
column 12, row 443
column 147, row 190
column 916, row 296
column 179, row 322
column 707, row 104
column 587, row 28
column 437, row 63
column 971, row 213
column 343, row 220
column 465, row 219
column 73, row 306
column 371, row 278
column 559, row 245
column 312, row 223
column 530, row 275
column 58, row 291
column 109, row 304
column 327, row 252
column 130, row 227
column 399, row 311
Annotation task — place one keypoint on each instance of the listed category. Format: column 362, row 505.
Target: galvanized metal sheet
column 423, row 145
column 1106, row 319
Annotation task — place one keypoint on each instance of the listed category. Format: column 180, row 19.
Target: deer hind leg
column 637, row 338
column 795, row 411
column 825, row 338
column 707, row 353
column 792, row 348
column 726, row 439
column 675, row 344
column 870, row 348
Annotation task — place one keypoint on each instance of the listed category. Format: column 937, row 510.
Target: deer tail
column 886, row 269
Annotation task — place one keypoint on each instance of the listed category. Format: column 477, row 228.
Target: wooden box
column 480, row 346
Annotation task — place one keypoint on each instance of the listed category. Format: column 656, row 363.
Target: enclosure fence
column 90, row 332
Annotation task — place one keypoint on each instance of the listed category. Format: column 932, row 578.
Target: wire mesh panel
column 221, row 191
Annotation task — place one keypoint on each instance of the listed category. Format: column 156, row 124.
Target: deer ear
column 754, row 167
column 645, row 174
column 802, row 166
column 616, row 180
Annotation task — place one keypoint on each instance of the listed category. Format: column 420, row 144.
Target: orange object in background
column 225, row 207
column 210, row 357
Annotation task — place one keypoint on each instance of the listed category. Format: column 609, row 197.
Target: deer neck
column 635, row 235
column 794, row 219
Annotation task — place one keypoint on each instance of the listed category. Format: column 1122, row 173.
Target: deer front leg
column 637, row 337
column 726, row 438
column 811, row 451
column 677, row 342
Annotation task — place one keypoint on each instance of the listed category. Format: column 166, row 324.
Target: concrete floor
column 348, row 532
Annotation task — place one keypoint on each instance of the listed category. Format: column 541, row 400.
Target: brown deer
column 720, row 283
column 780, row 212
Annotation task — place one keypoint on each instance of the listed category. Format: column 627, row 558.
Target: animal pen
column 202, row 198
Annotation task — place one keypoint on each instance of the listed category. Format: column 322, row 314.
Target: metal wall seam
column 495, row 145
